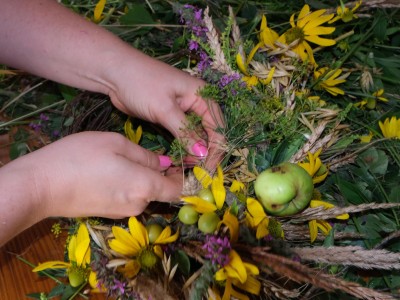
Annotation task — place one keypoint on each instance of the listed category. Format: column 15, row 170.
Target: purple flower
column 197, row 15
column 35, row 126
column 44, row 117
column 204, row 62
column 118, row 285
column 193, row 45
column 226, row 79
column 217, row 249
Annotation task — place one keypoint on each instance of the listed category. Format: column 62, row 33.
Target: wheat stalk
column 219, row 62
column 320, row 213
column 351, row 256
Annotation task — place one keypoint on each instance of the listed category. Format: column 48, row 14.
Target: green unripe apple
column 284, row 190
column 154, row 230
column 208, row 222
column 188, row 215
column 207, row 195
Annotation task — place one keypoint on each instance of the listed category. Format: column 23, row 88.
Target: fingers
column 139, row 155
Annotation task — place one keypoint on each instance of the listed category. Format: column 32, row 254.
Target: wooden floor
column 36, row 244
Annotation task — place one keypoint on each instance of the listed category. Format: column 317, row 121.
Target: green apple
column 284, row 190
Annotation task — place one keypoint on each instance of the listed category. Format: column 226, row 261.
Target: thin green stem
column 12, row 122
column 21, row 95
column 78, row 292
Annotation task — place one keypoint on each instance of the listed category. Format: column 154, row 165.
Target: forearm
column 20, row 199
column 48, row 40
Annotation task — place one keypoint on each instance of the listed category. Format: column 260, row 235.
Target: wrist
column 21, row 198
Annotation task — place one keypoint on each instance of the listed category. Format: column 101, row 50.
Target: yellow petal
column 312, row 225
column 236, row 268
column 131, row 269
column 72, row 249
column 318, row 203
column 82, row 251
column 240, row 63
column 138, row 135
column 256, row 210
column 252, row 53
column 93, row 282
column 165, row 237
column 218, row 189
column 324, row 226
column 202, row 176
column 232, row 223
column 220, row 275
column 158, row 251
column 252, row 285
column 200, row 205
column 124, row 243
column 269, row 77
column 51, row 265
column 262, row 229
column 320, row 41
column 138, row 231
column 98, row 10
column 236, row 186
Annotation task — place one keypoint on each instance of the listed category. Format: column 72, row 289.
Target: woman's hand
column 84, row 174
column 156, row 92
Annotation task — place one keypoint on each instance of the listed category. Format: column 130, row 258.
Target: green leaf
column 350, row 191
column 394, row 195
column 57, row 290
column 35, row 295
column 69, row 121
column 69, row 93
column 181, row 258
column 17, row 150
column 137, row 14
column 380, row 28
column 69, row 291
column 375, row 160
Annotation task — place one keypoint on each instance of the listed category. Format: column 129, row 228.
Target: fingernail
column 165, row 161
column 199, row 149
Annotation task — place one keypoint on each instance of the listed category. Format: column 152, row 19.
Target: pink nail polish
column 199, row 149
column 165, row 161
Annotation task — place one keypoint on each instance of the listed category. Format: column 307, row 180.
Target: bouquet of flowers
column 305, row 201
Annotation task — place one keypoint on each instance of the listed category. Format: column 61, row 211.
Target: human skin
column 94, row 174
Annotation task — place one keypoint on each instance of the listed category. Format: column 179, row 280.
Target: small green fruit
column 208, row 222
column 76, row 277
column 188, row 215
column 285, row 189
column 154, row 231
column 207, row 195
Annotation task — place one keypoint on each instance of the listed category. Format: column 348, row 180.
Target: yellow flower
column 131, row 134
column 328, row 79
column 78, row 256
column 308, row 29
column 267, row 39
column 257, row 218
column 324, row 226
column 217, row 188
column 98, row 11
column 346, row 14
column 378, row 95
column 390, row 128
column 240, row 274
column 135, row 244
column 267, row 36
column 366, row 138
column 370, row 102
column 314, row 167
